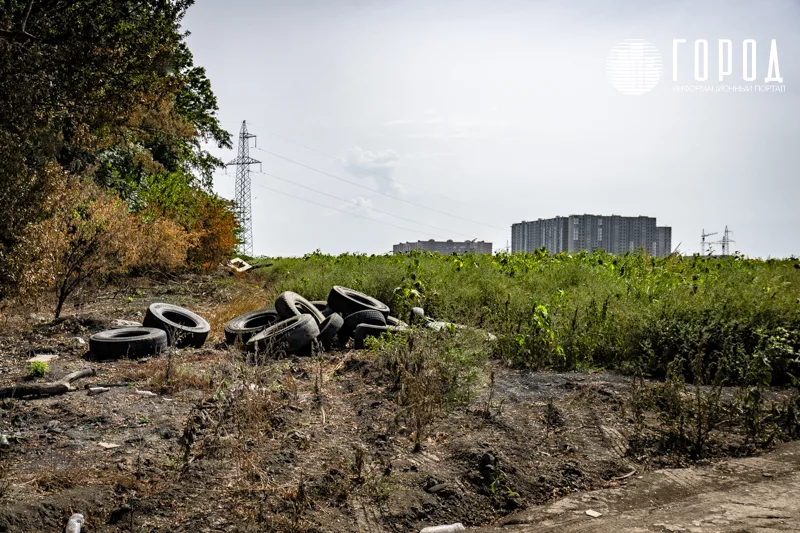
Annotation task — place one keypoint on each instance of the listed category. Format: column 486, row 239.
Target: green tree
column 104, row 88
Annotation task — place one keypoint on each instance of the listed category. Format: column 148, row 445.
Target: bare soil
column 303, row 444
column 757, row 494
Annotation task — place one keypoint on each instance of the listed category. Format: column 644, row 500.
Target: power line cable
column 320, row 152
column 377, row 191
column 334, row 208
column 357, row 204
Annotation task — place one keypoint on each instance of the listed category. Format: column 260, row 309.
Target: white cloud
column 378, row 166
column 360, row 206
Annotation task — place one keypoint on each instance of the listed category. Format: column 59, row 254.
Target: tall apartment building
column 444, row 247
column 664, row 236
column 614, row 234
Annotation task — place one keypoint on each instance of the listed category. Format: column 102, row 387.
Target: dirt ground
column 304, row 444
column 755, row 494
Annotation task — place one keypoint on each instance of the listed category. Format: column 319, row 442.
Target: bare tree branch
column 61, row 386
column 27, row 14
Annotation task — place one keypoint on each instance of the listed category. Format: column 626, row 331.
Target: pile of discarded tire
column 163, row 326
column 296, row 325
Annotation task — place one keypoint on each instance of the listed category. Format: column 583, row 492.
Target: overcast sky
column 496, row 112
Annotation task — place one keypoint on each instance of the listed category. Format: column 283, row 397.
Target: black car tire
column 184, row 328
column 347, row 301
column 329, row 329
column 288, row 336
column 240, row 329
column 290, row 304
column 366, row 316
column 130, row 342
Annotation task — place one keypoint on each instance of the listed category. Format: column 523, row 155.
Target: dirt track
column 755, row 494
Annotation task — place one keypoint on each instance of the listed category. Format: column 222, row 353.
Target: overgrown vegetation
column 740, row 318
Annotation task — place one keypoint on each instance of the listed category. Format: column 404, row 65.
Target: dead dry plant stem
column 61, row 386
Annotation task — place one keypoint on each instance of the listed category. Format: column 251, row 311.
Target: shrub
column 162, row 245
column 85, row 234
column 208, row 220
column 38, row 369
column 431, row 370
column 213, row 232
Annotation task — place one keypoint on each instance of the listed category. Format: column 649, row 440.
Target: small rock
column 109, row 445
column 80, row 340
column 593, row 513
column 119, row 323
column 43, row 358
column 441, row 487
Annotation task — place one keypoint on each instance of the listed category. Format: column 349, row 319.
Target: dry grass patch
column 174, row 374
column 246, row 299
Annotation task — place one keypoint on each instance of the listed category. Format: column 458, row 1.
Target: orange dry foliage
column 162, row 245
column 213, row 234
column 85, row 233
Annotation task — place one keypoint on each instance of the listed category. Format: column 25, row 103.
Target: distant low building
column 614, row 234
column 444, row 247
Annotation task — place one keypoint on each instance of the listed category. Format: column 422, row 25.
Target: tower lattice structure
column 243, row 208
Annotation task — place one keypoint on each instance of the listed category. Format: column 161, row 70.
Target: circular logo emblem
column 633, row 66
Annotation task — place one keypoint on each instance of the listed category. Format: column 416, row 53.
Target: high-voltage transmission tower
column 726, row 242
column 243, row 210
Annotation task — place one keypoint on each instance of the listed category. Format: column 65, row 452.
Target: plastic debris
column 449, row 528
column 593, row 513
column 75, row 523
column 97, row 390
column 145, row 393
column 243, row 265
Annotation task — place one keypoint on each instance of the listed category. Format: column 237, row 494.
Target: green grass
column 37, row 369
column 634, row 312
